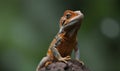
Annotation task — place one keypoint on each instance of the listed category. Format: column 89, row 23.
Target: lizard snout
column 80, row 13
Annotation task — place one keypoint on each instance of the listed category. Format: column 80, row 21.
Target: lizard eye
column 68, row 16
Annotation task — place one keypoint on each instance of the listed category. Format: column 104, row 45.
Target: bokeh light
column 110, row 28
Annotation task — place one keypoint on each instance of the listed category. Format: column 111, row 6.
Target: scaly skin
column 65, row 41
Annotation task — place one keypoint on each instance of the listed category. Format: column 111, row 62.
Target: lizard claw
column 67, row 57
column 80, row 62
column 64, row 59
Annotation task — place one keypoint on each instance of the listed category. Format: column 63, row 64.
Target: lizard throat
column 69, row 34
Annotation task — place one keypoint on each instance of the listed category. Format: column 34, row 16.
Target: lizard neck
column 69, row 36
column 69, row 33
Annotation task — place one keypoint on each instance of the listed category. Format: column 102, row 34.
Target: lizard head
column 70, row 21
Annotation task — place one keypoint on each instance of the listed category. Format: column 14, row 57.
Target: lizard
column 65, row 41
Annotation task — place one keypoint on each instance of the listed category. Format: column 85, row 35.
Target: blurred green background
column 28, row 26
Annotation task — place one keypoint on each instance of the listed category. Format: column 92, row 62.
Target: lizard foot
column 80, row 62
column 64, row 59
column 48, row 63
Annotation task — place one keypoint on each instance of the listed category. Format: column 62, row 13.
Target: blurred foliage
column 28, row 26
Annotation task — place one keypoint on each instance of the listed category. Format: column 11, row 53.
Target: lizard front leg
column 57, row 54
column 77, row 54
